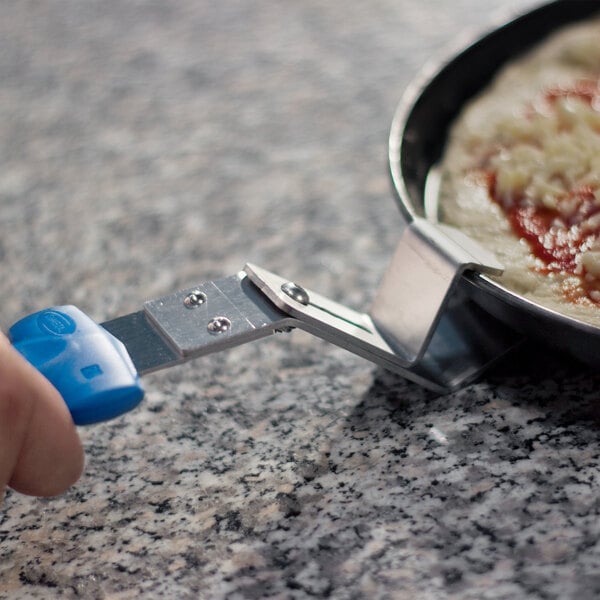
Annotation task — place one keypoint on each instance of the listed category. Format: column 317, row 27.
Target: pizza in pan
column 521, row 172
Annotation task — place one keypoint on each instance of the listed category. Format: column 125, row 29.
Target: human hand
column 40, row 450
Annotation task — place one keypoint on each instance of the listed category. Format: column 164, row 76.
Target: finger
column 40, row 450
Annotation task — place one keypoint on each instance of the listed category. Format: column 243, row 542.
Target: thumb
column 40, row 450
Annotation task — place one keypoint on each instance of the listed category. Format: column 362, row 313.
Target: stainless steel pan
column 418, row 136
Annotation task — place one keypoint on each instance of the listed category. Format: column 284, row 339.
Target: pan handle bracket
column 421, row 280
column 421, row 324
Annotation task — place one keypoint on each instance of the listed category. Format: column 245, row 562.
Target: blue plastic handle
column 89, row 366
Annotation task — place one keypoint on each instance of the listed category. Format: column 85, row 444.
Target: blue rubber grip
column 89, row 366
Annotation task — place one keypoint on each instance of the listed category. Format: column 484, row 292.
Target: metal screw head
column 194, row 299
column 295, row 292
column 218, row 325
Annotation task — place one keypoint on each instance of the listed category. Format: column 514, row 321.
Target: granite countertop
column 147, row 146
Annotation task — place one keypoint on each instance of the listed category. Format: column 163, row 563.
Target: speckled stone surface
column 148, row 145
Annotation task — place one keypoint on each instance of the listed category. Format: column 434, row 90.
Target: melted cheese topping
column 521, row 172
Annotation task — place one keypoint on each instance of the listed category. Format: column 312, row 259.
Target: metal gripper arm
column 417, row 326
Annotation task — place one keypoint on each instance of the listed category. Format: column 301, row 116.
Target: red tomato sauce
column 585, row 89
column 556, row 240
